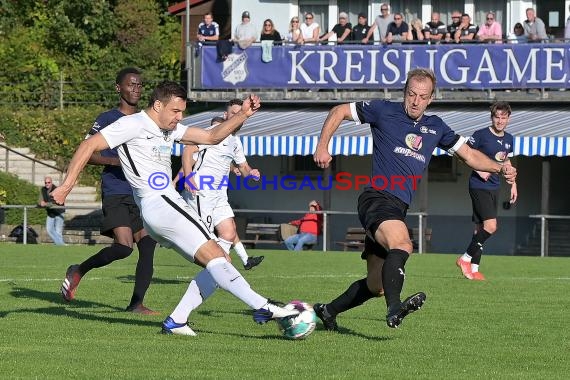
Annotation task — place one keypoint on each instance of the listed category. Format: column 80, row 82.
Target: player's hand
column 484, row 175
column 510, row 173
column 255, row 174
column 322, row 158
column 514, row 194
column 60, row 194
column 251, row 104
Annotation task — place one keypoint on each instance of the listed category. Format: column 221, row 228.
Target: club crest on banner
column 235, row 69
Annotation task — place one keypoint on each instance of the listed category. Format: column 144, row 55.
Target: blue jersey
column 498, row 148
column 402, row 146
column 113, row 181
column 209, row 30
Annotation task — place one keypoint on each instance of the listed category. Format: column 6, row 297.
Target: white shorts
column 211, row 208
column 173, row 224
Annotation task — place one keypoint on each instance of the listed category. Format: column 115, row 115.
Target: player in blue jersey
column 496, row 144
column 404, row 139
column 121, row 216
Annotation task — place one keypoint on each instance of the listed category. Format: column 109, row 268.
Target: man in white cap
column 245, row 33
column 343, row 30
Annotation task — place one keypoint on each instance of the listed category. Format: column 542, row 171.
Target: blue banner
column 459, row 66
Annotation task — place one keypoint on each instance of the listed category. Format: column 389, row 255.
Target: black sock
column 143, row 275
column 393, row 275
column 104, row 257
column 475, row 249
column 356, row 294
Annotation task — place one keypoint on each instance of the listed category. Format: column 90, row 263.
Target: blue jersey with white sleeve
column 113, row 181
column 402, row 146
column 497, row 148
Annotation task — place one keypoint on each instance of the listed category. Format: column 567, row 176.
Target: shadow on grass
column 74, row 309
column 155, row 280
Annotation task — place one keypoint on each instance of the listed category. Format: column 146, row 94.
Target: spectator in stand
column 491, row 31
column 360, row 30
column 397, row 30
column 310, row 30
column 268, row 33
column 466, row 31
column 435, row 30
column 534, row 28
column 208, row 32
column 245, row 33
column 452, row 28
column 295, row 35
column 381, row 22
column 342, row 30
column 517, row 36
column 416, row 32
column 54, row 220
column 310, row 226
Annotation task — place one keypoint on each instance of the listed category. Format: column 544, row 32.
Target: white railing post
column 25, row 237
column 325, row 232
column 543, row 236
column 421, row 233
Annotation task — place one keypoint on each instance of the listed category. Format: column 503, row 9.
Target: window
column 304, row 165
column 442, row 169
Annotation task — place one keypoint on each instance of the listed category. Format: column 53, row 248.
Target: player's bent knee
column 121, row 251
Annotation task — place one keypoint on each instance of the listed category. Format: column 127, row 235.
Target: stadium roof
column 542, row 130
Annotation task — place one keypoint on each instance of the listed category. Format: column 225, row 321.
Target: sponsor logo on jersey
column 414, row 141
column 501, row 156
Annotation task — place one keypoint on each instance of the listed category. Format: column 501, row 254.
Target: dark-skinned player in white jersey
column 404, row 139
column 484, row 187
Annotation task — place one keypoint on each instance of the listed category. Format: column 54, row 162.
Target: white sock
column 241, row 252
column 200, row 288
column 474, row 267
column 228, row 278
column 226, row 245
column 466, row 257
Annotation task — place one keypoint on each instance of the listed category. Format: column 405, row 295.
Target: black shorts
column 485, row 204
column 120, row 211
column 375, row 207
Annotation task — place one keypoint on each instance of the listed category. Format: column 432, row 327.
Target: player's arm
column 514, row 190
column 247, row 170
column 213, row 136
column 95, row 143
column 479, row 161
column 97, row 159
column 187, row 165
column 335, row 117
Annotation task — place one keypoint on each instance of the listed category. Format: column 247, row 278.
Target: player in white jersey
column 144, row 142
column 209, row 169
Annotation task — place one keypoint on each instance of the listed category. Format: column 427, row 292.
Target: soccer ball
column 298, row 326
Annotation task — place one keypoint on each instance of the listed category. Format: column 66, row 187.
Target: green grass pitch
column 515, row 325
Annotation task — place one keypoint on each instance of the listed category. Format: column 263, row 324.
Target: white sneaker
column 272, row 311
column 171, row 327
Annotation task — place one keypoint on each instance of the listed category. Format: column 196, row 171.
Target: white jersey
column 213, row 164
column 144, row 151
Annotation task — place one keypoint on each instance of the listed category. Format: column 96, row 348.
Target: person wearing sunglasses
column 295, row 36
column 268, row 33
column 491, row 31
column 381, row 23
column 310, row 29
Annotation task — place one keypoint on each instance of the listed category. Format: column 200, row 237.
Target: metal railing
column 544, row 230
column 35, row 161
column 420, row 215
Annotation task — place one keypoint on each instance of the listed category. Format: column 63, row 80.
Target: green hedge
column 51, row 134
column 20, row 192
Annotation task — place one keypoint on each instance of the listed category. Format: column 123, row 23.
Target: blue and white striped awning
column 538, row 131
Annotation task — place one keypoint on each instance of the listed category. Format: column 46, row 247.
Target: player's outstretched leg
column 410, row 304
column 70, row 282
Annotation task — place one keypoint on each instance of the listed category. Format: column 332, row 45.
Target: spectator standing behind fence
column 310, row 30
column 361, row 29
column 397, row 30
column 452, row 28
column 268, row 33
column 435, row 30
column 381, row 22
column 310, row 226
column 208, row 30
column 466, row 31
column 416, row 32
column 245, row 33
column 342, row 30
column 295, row 35
column 54, row 219
column 517, row 36
column 491, row 30
column 567, row 29
column 534, row 28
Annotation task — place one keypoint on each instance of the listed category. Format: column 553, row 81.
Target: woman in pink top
column 310, row 226
column 491, row 30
